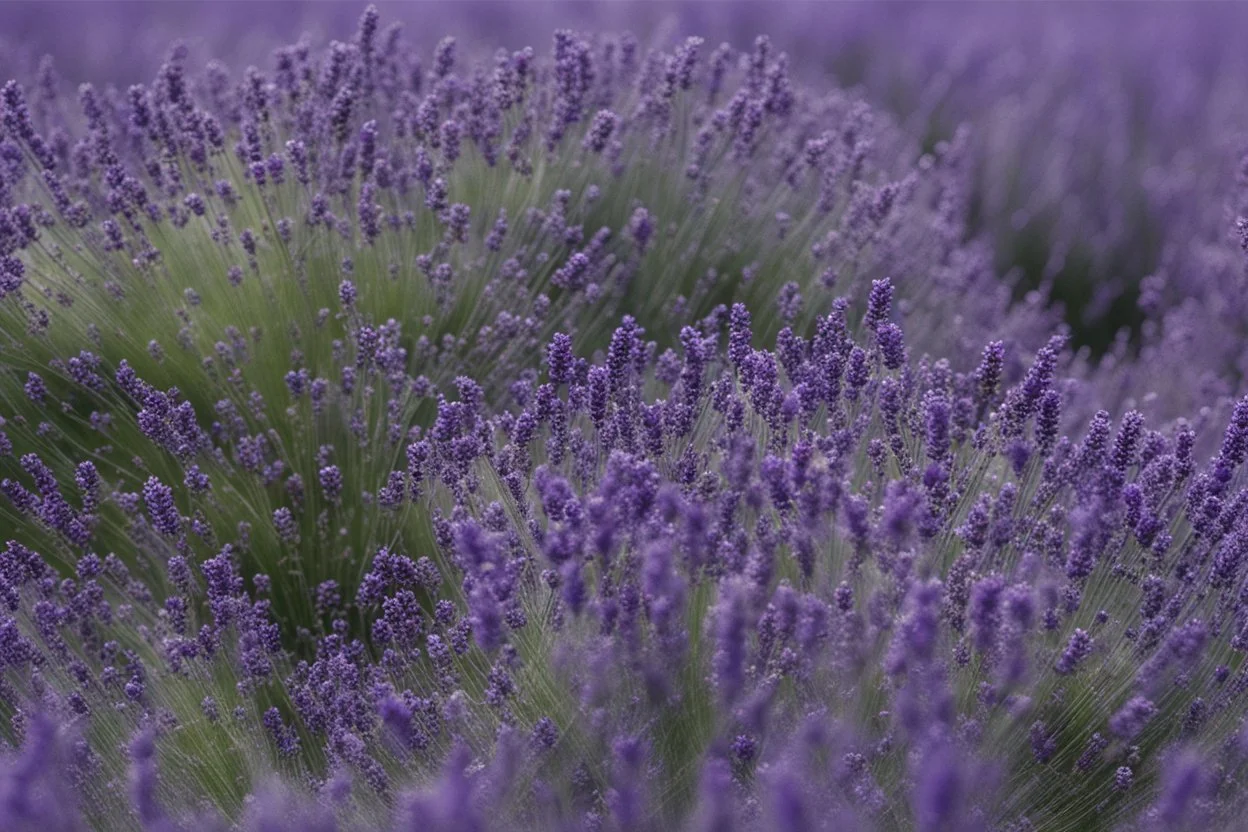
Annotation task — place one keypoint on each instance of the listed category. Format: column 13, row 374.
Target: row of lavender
column 1104, row 149
column 614, row 439
column 1109, row 142
column 1106, row 138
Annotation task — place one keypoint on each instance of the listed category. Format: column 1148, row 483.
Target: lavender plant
column 609, row 439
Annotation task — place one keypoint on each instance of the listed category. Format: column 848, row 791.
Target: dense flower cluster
column 608, row 438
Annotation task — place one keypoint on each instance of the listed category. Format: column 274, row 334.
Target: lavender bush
column 608, row 436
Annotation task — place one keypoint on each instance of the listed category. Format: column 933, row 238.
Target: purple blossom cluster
column 622, row 437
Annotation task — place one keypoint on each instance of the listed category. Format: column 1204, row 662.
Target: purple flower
column 1184, row 785
column 730, row 634
column 600, row 131
column 880, row 304
column 1131, row 718
column 286, row 738
column 284, row 523
column 330, row 478
column 985, row 611
column 35, row 389
column 1077, row 649
column 641, row 229
column 892, row 345
column 158, row 498
column 143, row 780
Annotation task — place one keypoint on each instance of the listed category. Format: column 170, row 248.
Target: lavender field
column 623, row 417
